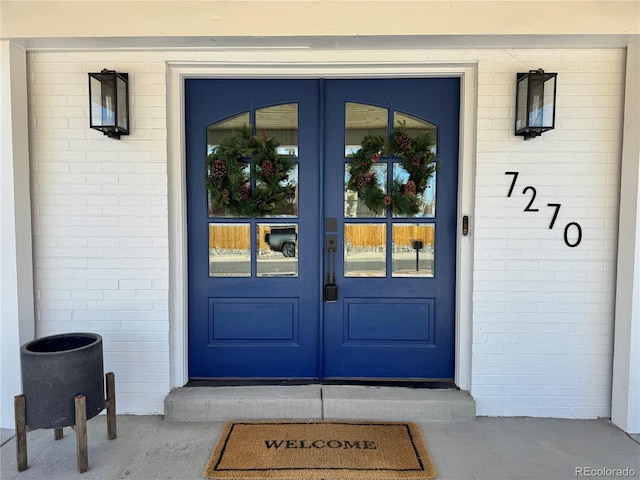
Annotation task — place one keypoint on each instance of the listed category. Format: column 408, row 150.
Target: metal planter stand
column 63, row 385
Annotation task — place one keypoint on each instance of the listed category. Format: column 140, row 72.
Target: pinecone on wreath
column 410, row 188
column 404, row 142
column 218, row 169
column 267, row 168
column 361, row 181
column 244, row 191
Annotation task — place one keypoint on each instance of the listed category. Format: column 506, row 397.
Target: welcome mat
column 320, row 450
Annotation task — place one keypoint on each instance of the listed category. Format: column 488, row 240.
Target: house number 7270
column 530, row 190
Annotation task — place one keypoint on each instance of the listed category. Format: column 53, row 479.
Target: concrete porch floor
column 148, row 447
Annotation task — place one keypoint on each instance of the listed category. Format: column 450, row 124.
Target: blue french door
column 258, row 305
column 394, row 317
column 253, row 311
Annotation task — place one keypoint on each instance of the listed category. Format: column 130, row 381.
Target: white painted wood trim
column 17, row 317
column 625, row 388
column 177, row 72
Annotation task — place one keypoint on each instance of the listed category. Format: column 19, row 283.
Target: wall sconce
column 535, row 103
column 109, row 102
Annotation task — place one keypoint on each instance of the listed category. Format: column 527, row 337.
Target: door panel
column 253, row 305
column 390, row 322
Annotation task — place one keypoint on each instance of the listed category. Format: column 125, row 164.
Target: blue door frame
column 380, row 328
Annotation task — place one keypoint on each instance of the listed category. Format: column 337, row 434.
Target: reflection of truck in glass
column 282, row 240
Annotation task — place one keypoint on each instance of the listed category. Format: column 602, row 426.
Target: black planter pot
column 57, row 368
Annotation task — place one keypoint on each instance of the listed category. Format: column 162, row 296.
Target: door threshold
column 446, row 384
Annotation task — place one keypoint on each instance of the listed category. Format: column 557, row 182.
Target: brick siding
column 542, row 312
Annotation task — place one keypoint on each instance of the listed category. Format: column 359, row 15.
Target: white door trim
column 177, row 72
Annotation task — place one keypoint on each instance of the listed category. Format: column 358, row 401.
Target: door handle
column 330, row 288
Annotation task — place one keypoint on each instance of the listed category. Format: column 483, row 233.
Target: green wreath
column 229, row 185
column 229, row 169
column 416, row 158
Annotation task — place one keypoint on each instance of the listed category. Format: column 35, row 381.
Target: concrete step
column 217, row 404
column 214, row 404
column 397, row 404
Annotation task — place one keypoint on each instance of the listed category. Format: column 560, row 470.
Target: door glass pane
column 365, row 249
column 362, row 120
column 412, row 251
column 229, row 250
column 354, row 206
column 280, row 122
column 415, row 126
column 427, row 204
column 217, row 206
column 225, row 128
column 277, row 250
column 288, row 191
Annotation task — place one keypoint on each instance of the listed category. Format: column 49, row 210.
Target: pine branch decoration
column 242, row 157
column 235, row 161
column 416, row 158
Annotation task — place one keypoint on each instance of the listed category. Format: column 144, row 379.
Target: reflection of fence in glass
column 237, row 236
column 229, row 237
column 229, row 250
column 365, row 236
column 413, row 250
column 371, row 236
column 365, row 249
column 404, row 235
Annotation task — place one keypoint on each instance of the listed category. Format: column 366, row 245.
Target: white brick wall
column 100, row 219
column 543, row 312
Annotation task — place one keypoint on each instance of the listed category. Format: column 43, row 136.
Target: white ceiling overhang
column 391, row 42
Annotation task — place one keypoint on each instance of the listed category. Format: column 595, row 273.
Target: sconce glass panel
column 102, row 102
column 123, row 117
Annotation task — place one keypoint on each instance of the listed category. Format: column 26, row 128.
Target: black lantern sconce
column 535, row 103
column 109, row 102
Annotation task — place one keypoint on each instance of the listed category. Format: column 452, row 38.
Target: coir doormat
column 320, row 450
